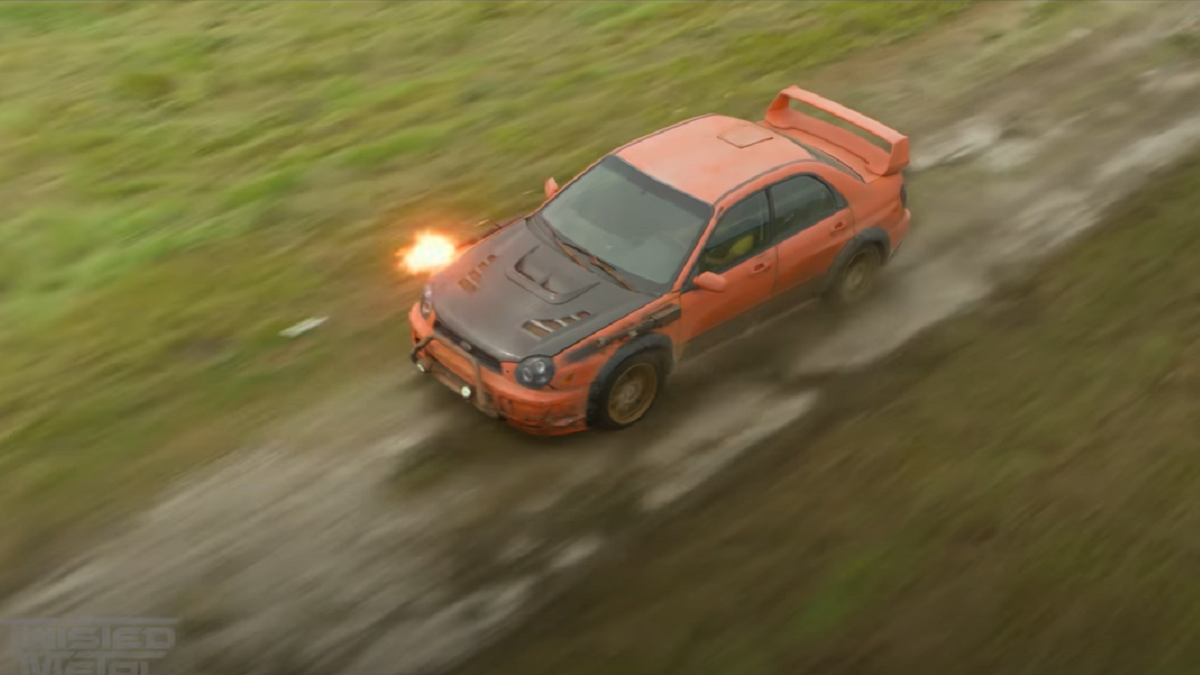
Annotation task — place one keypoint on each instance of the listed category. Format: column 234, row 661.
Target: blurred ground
column 1017, row 491
column 391, row 529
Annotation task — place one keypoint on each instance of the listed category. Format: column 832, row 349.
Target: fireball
column 430, row 253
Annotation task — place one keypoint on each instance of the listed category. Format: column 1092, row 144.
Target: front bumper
column 545, row 412
column 471, row 389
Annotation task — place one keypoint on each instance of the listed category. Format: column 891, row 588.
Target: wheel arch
column 650, row 342
column 876, row 237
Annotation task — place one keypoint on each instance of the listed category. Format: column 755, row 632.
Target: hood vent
column 550, row 276
column 544, row 327
column 470, row 283
column 544, row 278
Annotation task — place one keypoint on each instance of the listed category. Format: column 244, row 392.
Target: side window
column 741, row 232
column 799, row 203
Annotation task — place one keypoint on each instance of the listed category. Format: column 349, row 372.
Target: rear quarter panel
column 875, row 203
column 881, row 207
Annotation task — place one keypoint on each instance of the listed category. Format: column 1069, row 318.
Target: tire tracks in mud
column 404, row 550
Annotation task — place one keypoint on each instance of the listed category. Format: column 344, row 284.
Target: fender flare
column 642, row 343
column 872, row 236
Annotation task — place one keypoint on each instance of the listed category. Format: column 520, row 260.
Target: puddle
column 962, row 142
column 722, row 430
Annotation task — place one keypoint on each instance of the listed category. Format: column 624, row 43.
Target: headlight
column 426, row 302
column 535, row 372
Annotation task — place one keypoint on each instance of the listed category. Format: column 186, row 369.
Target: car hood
column 514, row 295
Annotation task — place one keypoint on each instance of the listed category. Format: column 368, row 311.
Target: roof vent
column 745, row 135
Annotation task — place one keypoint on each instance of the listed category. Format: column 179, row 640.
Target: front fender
column 655, row 341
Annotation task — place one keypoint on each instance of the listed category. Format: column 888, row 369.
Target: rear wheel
column 857, row 279
column 630, row 391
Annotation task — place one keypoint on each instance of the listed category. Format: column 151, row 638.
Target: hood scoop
column 551, row 277
column 544, row 327
column 470, row 283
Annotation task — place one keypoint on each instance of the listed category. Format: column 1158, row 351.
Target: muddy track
column 395, row 530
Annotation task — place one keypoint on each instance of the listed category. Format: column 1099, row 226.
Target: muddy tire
column 856, row 280
column 629, row 391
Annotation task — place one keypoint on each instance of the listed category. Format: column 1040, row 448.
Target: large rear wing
column 879, row 161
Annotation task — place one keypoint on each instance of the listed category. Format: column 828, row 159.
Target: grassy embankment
column 180, row 181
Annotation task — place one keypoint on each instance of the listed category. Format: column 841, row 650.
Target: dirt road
column 393, row 529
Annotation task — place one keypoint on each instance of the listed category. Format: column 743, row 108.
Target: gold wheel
column 859, row 277
column 632, row 393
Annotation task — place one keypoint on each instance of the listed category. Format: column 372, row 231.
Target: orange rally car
column 571, row 317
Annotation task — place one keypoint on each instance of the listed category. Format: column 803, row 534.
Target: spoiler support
column 879, row 161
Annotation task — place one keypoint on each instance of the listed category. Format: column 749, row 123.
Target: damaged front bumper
column 544, row 412
column 473, row 391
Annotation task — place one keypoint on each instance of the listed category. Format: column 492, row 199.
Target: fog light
column 465, row 391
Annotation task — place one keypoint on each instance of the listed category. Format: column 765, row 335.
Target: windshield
column 630, row 221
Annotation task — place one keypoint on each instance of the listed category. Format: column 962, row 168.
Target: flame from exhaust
column 430, row 253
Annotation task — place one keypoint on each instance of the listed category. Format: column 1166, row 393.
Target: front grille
column 485, row 359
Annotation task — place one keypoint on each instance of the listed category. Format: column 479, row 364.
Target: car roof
column 708, row 156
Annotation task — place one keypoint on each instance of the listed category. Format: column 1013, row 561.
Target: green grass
column 1017, row 492
column 180, row 181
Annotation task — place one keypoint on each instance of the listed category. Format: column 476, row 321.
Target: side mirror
column 713, row 283
column 551, row 188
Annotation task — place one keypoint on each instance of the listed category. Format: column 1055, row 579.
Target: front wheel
column 857, row 278
column 629, row 392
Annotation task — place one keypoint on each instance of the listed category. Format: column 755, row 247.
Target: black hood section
column 515, row 295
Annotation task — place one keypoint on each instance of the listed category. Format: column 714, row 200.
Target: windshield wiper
column 611, row 271
column 567, row 249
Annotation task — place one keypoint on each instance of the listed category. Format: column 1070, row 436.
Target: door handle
column 837, row 227
column 760, row 268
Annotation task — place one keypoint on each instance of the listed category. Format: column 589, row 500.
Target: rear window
column 829, row 160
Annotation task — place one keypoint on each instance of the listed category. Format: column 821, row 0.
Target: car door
column 812, row 223
column 739, row 249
